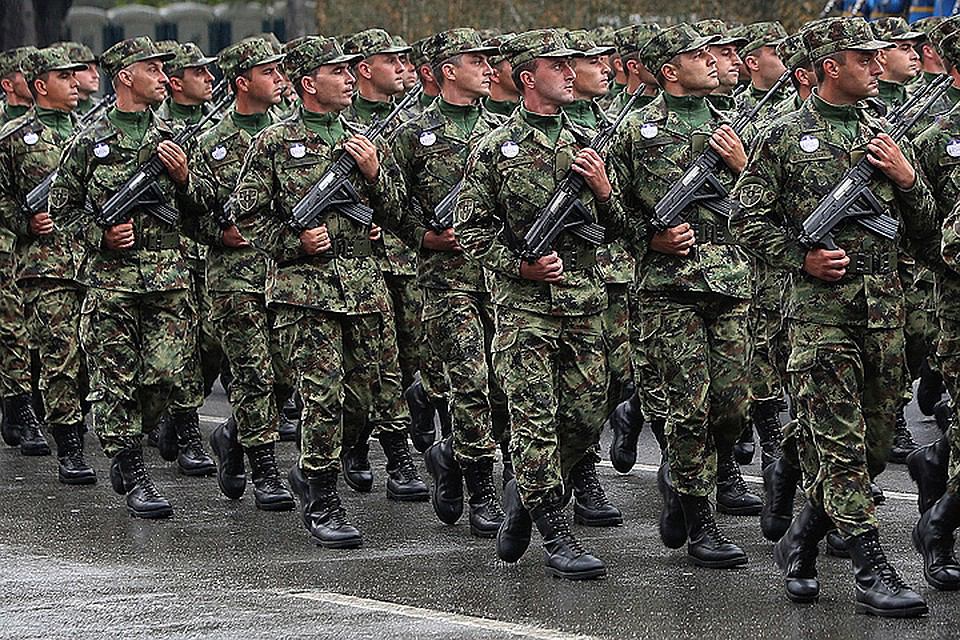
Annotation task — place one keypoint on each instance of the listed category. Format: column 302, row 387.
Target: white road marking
column 436, row 616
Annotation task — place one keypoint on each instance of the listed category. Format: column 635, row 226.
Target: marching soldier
column 88, row 78
column 760, row 59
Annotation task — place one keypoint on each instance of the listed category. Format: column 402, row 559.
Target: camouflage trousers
column 14, row 338
column 205, row 356
column 920, row 329
column 769, row 347
column 53, row 310
column 406, row 300
column 261, row 381
column 700, row 345
column 554, row 373
column 648, row 382
column 948, row 357
column 342, row 364
column 135, row 346
column 458, row 328
column 847, row 383
column 616, row 332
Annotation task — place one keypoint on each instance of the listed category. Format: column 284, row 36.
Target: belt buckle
column 345, row 248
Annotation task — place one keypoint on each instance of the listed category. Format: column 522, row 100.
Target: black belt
column 579, row 259
column 146, row 241
column 712, row 232
column 871, row 263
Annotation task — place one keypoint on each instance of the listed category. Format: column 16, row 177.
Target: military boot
column 943, row 416
column 168, row 443
column 796, row 553
column 903, row 442
column 73, row 469
column 143, row 498
column 191, row 458
column 289, row 428
column 765, row 415
column 268, row 490
column 673, row 528
column 9, row 427
column 564, row 556
column 877, row 494
column 930, row 389
column 780, row 487
column 403, row 481
column 928, row 468
column 933, row 539
column 507, row 458
column 486, row 516
column 591, row 507
column 706, row 544
column 422, row 428
column 745, row 448
column 321, row 510
column 626, row 422
column 880, row 590
column 355, row 461
column 835, row 545
column 447, row 494
column 513, row 536
column 732, row 495
column 18, row 412
column 231, row 471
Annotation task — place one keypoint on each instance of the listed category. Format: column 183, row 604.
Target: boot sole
column 277, row 506
column 578, row 575
column 802, row 599
column 599, row 522
column 718, row 564
column 222, row 482
column 197, row 473
column 431, row 469
column 740, row 511
column 41, row 451
column 480, row 533
column 939, row 585
column 86, row 480
column 342, row 544
column 158, row 514
column 911, row 612
column 415, row 497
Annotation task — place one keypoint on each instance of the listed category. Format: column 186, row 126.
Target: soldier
column 936, row 467
column 728, row 62
column 409, row 71
column 763, row 65
column 548, row 343
column 327, row 290
column 134, row 321
column 88, row 78
column 630, row 40
column 236, row 280
column 14, row 86
column 844, row 307
column 47, row 259
column 429, row 88
column 931, row 64
column 504, row 97
column 458, row 318
column 694, row 297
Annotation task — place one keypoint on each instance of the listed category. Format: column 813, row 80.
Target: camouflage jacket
column 283, row 162
column 511, row 175
column 26, row 158
column 215, row 164
column 10, row 112
column 621, row 100
column 93, row 167
column 431, row 151
column 650, row 153
column 792, row 168
column 751, row 96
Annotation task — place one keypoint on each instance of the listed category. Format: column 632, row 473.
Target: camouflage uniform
column 10, row 64
column 761, row 34
column 80, row 53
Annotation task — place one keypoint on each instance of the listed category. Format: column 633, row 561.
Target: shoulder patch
column 246, row 200
column 58, row 197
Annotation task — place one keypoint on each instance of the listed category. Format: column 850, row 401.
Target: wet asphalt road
column 73, row 564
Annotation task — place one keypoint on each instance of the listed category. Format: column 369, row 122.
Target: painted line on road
column 436, row 616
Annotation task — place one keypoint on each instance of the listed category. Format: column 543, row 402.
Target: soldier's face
column 728, row 64
column 503, row 75
column 88, row 80
column 552, row 79
column 472, row 75
column 333, row 84
column 196, row 85
column 265, row 84
column 900, row 63
column 147, row 81
column 696, row 72
column 859, row 75
column 385, row 72
column 16, row 84
column 593, row 77
column 58, row 90
column 409, row 72
column 768, row 64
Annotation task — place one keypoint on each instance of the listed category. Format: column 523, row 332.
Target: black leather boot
column 780, row 488
column 880, row 590
column 928, row 468
column 796, row 553
column 289, row 428
column 626, row 422
column 706, row 544
column 191, row 458
column 168, row 443
column 933, row 539
column 564, row 556
column 765, row 415
column 930, row 389
column 18, row 410
column 513, row 536
column 508, row 472
column 403, row 481
column 231, row 472
column 73, row 469
column 745, row 448
column 591, row 507
column 835, row 545
column 268, row 490
column 143, row 498
column 486, row 515
column 877, row 494
column 447, row 494
column 355, row 461
column 423, row 432
column 943, row 415
column 903, row 442
column 673, row 528
column 9, row 427
column 732, row 495
column 322, row 513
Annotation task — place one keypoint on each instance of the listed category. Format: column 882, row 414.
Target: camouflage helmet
column 950, row 49
column 583, row 41
column 894, row 29
column 761, row 34
column 11, row 58
column 447, row 44
column 793, row 52
column 671, row 42
column 313, row 52
column 245, row 55
column 603, row 36
column 129, row 51
column 634, row 37
column 40, row 61
column 925, row 25
column 539, row 43
column 187, row 56
column 496, row 41
column 943, row 29
column 370, row 42
column 77, row 51
column 417, row 54
column 725, row 36
column 832, row 35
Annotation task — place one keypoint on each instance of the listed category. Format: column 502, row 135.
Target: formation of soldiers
column 341, row 229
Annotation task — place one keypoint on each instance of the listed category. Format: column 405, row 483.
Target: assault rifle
column 334, row 189
column 96, row 111
column 565, row 211
column 141, row 189
column 851, row 198
column 699, row 183
column 443, row 213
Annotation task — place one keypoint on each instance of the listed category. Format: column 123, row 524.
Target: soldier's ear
column 124, row 77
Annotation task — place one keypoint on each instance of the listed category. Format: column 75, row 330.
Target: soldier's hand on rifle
column 365, row 153
column 590, row 165
column 548, row 268
column 375, row 233
column 446, row 241
column 315, row 241
column 175, row 160
column 119, row 236
column 885, row 155
column 826, row 265
column 676, row 241
column 41, row 224
column 231, row 237
column 727, row 143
